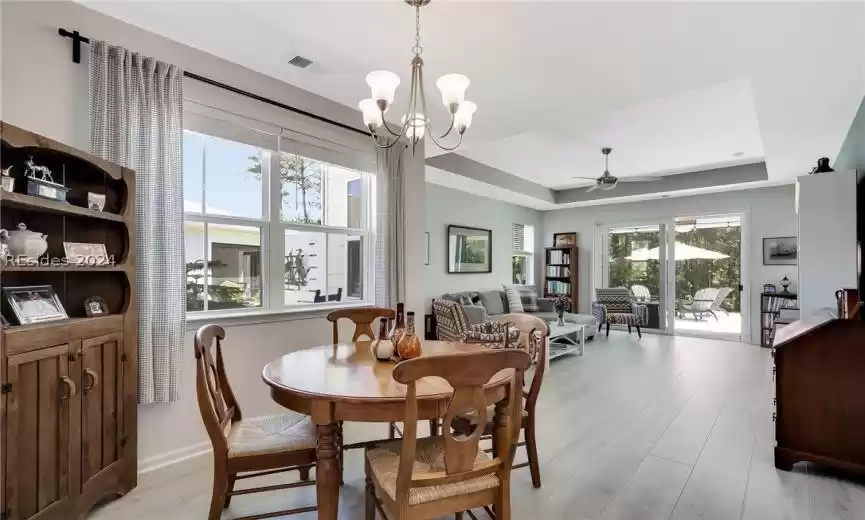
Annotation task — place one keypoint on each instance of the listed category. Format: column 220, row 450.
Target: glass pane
column 343, row 191
column 634, row 260
column 193, row 170
column 708, row 262
column 344, row 267
column 231, row 173
column 305, row 267
column 520, row 269
column 315, row 192
column 234, row 267
column 194, row 257
column 300, row 180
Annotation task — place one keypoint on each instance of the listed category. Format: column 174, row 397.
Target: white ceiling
column 671, row 87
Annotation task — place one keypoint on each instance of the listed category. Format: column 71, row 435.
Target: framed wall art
column 469, row 250
column 564, row 239
column 780, row 251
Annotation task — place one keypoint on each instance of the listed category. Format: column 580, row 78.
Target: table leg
column 327, row 471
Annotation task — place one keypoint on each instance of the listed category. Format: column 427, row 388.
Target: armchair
column 617, row 306
column 452, row 324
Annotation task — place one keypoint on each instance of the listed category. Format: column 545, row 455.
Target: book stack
column 559, row 288
column 554, row 271
column 559, row 257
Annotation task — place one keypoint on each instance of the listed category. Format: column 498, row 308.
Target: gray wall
column 446, row 206
column 769, row 212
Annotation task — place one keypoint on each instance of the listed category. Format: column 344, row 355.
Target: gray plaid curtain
column 136, row 120
column 390, row 227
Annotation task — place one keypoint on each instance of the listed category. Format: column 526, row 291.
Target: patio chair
column 723, row 292
column 641, row 293
column 699, row 305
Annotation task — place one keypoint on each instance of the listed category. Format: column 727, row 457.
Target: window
column 308, row 244
column 522, row 257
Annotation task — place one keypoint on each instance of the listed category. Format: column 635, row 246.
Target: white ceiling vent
column 300, row 61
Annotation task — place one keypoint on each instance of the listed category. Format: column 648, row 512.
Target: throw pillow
column 515, row 303
column 464, row 299
column 492, row 302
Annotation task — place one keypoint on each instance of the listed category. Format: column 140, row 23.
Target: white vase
column 24, row 245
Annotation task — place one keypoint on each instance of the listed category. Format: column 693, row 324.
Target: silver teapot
column 23, row 244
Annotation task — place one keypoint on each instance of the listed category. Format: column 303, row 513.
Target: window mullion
column 275, row 234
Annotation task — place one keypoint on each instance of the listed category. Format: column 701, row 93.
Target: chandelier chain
column 417, row 49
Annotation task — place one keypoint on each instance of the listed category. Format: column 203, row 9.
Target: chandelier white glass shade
column 415, row 124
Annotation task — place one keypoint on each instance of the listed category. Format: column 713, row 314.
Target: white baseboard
column 173, row 457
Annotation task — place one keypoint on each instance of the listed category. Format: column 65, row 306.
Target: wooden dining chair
column 363, row 318
column 425, row 478
column 246, row 448
column 533, row 339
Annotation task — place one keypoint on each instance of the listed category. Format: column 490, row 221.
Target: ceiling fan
column 607, row 181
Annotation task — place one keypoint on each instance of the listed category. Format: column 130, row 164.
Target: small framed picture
column 95, row 201
column 95, row 306
column 86, row 254
column 564, row 239
column 34, row 304
column 780, row 251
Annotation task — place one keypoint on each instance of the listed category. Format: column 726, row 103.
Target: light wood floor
column 672, row 428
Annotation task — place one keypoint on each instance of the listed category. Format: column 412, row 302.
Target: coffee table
column 566, row 339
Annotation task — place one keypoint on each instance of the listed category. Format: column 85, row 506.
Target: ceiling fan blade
column 587, row 178
column 639, row 179
column 593, row 188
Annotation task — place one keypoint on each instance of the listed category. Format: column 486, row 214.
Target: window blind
column 523, row 238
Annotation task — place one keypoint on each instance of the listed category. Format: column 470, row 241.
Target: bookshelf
column 561, row 266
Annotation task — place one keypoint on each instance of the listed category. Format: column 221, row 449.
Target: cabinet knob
column 774, row 416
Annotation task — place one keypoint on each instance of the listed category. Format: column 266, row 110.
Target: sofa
column 481, row 306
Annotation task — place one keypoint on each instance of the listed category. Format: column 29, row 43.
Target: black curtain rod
column 78, row 39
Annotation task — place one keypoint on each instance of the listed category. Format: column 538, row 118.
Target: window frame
column 272, row 228
column 528, row 251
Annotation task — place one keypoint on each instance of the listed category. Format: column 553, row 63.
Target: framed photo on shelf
column 34, row 304
column 78, row 253
column 564, row 239
column 469, row 250
column 780, row 251
column 95, row 306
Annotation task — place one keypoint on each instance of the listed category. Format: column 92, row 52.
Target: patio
column 727, row 324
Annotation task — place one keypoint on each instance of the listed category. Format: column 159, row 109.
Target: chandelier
column 415, row 121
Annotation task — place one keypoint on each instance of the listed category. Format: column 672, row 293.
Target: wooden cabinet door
column 102, row 430
column 41, row 407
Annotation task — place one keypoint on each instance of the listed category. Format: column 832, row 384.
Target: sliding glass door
column 687, row 271
column 635, row 256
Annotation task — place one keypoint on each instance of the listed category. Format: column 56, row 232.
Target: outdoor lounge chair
column 699, row 305
column 723, row 292
column 641, row 293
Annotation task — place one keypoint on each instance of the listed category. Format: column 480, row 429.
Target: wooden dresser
column 820, row 392
column 69, row 387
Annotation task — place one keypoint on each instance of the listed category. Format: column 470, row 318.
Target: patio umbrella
column 683, row 252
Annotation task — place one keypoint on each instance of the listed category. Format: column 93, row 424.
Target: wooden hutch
column 819, row 389
column 69, row 387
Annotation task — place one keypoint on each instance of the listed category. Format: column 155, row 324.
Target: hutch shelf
column 69, row 387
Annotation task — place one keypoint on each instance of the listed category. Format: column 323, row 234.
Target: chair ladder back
column 467, row 373
column 362, row 317
column 216, row 401
column 534, row 335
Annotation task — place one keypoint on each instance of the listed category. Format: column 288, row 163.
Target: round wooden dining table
column 344, row 382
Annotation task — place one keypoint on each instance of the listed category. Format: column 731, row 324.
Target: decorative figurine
column 95, row 201
column 40, row 182
column 8, row 181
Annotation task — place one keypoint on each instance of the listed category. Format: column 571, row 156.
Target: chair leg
column 304, row 474
column 714, row 315
column 608, row 329
column 600, row 325
column 629, row 329
column 639, row 334
column 229, row 487
column 458, row 516
column 391, row 431
column 502, row 507
column 532, row 451
column 220, row 494
column 433, row 427
column 370, row 491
